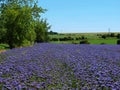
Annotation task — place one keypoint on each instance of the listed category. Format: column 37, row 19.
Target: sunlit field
column 48, row 66
column 74, row 46
column 92, row 38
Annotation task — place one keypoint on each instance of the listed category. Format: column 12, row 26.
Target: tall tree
column 41, row 29
column 19, row 20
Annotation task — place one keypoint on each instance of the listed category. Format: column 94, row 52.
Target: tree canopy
column 20, row 22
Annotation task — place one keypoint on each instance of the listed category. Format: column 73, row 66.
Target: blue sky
column 68, row 16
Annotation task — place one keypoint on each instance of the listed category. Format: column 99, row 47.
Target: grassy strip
column 92, row 41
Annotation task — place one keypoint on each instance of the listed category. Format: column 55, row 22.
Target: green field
column 106, row 41
column 92, row 41
column 93, row 38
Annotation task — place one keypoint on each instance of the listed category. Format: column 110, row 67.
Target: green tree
column 118, row 35
column 2, row 35
column 41, row 29
column 18, row 18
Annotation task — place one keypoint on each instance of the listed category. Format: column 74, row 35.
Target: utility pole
column 109, row 31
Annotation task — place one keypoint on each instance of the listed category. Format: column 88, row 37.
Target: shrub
column 103, row 43
column 112, row 35
column 73, row 42
column 118, row 36
column 118, row 41
column 84, row 42
column 83, row 37
column 104, row 36
column 78, row 38
column 54, row 39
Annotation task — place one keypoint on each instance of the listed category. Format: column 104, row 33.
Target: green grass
column 92, row 38
column 92, row 41
column 4, row 46
column 105, row 41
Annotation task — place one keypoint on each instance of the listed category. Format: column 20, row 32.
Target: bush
column 54, row 39
column 103, row 43
column 83, row 37
column 112, row 35
column 84, row 42
column 118, row 36
column 118, row 41
column 104, row 36
column 52, row 33
column 25, row 43
column 78, row 38
column 73, row 42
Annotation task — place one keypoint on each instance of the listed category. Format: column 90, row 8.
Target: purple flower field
column 48, row 66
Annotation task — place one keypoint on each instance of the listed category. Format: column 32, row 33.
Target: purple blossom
column 61, row 66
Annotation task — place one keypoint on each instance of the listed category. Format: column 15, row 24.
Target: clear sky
column 68, row 16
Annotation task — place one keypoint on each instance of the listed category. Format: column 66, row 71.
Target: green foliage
column 104, row 36
column 26, row 43
column 41, row 29
column 3, row 46
column 118, row 41
column 83, row 37
column 102, row 43
column 84, row 42
column 118, row 36
column 18, row 20
column 53, row 33
column 112, row 35
column 93, row 38
column 2, row 35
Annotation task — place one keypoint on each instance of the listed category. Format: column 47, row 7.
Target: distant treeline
column 68, row 38
column 82, row 38
column 104, row 36
column 52, row 33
